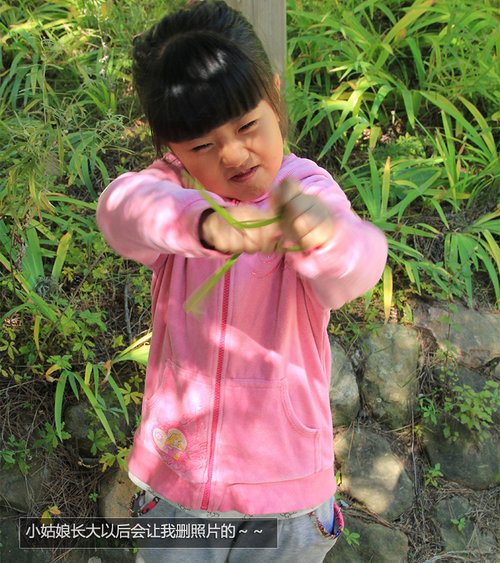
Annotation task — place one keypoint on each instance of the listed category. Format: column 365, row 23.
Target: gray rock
column 455, row 523
column 19, row 491
column 9, row 540
column 344, row 392
column 77, row 423
column 377, row 543
column 389, row 383
column 454, row 508
column 471, row 463
column 475, row 335
column 116, row 491
column 372, row 474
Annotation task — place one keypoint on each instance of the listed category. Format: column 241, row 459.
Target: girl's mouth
column 245, row 174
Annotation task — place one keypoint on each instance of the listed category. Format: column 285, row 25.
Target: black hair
column 199, row 68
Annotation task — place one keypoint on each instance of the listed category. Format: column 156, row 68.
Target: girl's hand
column 305, row 220
column 217, row 233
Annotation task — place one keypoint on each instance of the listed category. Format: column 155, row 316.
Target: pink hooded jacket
column 236, row 412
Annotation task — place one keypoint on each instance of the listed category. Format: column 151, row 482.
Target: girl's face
column 238, row 160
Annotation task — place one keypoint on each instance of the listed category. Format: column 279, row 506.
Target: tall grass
column 67, row 120
column 366, row 73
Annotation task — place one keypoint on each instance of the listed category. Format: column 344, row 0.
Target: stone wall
column 391, row 459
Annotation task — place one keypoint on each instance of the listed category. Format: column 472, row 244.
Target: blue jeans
column 306, row 539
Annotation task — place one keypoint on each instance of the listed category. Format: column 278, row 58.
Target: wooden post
column 269, row 20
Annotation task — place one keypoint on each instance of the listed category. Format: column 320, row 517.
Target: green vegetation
column 68, row 123
column 398, row 99
column 405, row 98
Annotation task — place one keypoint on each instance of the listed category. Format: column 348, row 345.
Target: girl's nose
column 233, row 154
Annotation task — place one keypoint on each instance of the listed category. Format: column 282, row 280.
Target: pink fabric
column 236, row 412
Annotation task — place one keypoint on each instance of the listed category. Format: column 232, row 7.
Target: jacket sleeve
column 145, row 214
column 353, row 261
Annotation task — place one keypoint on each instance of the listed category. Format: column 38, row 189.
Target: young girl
column 236, row 416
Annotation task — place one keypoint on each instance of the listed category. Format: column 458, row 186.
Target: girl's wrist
column 201, row 231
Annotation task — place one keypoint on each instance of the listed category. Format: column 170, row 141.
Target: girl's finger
column 284, row 192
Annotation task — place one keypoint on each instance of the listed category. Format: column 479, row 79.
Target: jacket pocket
column 262, row 439
column 175, row 424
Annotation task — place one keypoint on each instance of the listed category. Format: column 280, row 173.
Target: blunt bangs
column 210, row 82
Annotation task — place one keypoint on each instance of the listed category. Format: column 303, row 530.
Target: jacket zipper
column 217, row 394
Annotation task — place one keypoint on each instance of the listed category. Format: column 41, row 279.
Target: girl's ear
column 277, row 81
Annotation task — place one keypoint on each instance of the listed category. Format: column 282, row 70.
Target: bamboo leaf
column 32, row 261
column 490, row 268
column 36, row 334
column 62, row 250
column 375, row 133
column 340, row 131
column 417, row 59
column 486, row 129
column 59, row 395
column 492, row 247
column 139, row 355
column 97, row 408
column 415, row 12
column 386, row 177
column 88, row 373
column 137, row 352
column 408, row 102
column 119, row 396
column 355, row 135
column 253, row 224
column 384, row 90
column 72, row 383
column 447, row 106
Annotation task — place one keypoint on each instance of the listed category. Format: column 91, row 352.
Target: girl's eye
column 248, row 125
column 200, row 147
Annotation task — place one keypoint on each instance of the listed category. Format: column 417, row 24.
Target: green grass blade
column 73, row 385
column 253, row 224
column 351, row 122
column 380, row 96
column 482, row 253
column 486, row 133
column 386, row 183
column 97, row 408
column 387, row 285
column 192, row 303
column 440, row 212
column 119, row 396
column 32, row 261
column 137, row 351
column 62, row 250
column 353, row 139
column 408, row 102
column 417, row 60
column 492, row 247
column 417, row 10
column 444, row 104
column 139, row 355
column 59, row 396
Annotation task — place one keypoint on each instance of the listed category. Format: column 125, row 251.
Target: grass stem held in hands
column 252, row 224
column 192, row 303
